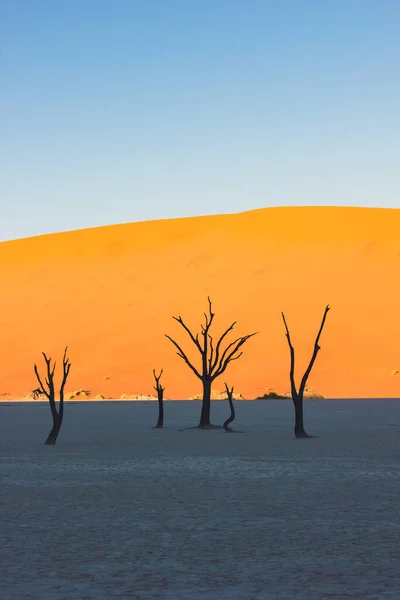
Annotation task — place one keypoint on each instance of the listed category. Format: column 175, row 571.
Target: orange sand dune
column 110, row 292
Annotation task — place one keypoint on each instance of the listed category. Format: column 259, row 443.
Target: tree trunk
column 52, row 437
column 231, row 418
column 206, row 405
column 299, row 431
column 160, row 422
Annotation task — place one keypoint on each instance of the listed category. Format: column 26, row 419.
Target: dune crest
column 109, row 293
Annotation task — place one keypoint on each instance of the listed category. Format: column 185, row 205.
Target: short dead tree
column 298, row 395
column 229, row 394
column 49, row 391
column 160, row 395
column 214, row 360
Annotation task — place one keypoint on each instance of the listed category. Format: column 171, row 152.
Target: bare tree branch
column 227, row 349
column 210, row 359
column 291, row 375
column 218, row 347
column 195, row 339
column 229, row 392
column 208, row 318
column 49, row 380
column 211, row 314
column 41, row 386
column 158, row 385
column 317, row 348
column 183, row 356
column 228, row 357
column 66, row 370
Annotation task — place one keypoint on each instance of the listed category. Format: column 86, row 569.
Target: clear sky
column 128, row 110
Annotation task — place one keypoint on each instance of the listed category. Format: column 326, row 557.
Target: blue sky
column 128, row 110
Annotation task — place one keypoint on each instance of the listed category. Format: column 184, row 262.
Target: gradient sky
column 128, row 110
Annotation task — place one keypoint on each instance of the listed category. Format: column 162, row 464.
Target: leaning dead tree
column 229, row 394
column 48, row 390
column 160, row 395
column 298, row 394
column 214, row 360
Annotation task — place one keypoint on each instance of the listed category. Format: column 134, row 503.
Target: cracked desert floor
column 120, row 510
column 109, row 293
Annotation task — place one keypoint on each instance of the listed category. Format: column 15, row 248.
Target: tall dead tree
column 298, row 394
column 214, row 360
column 160, row 395
column 49, row 392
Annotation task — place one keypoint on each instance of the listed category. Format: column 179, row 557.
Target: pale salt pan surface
column 120, row 510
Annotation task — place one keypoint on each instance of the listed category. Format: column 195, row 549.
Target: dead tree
column 298, row 395
column 214, row 360
column 160, row 395
column 229, row 395
column 49, row 392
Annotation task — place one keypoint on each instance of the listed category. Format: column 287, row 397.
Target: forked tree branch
column 41, row 386
column 317, row 348
column 195, row 339
column 204, row 328
column 183, row 356
column 229, row 395
column 229, row 356
column 49, row 381
column 66, row 370
column 158, row 387
column 229, row 392
column 209, row 317
column 218, row 347
column 306, row 375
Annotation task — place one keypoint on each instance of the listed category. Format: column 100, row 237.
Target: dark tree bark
column 298, row 394
column 214, row 360
column 206, row 403
column 229, row 394
column 160, row 395
column 49, row 392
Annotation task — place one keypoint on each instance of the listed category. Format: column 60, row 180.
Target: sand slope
column 109, row 293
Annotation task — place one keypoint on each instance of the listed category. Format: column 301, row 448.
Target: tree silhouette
column 214, row 360
column 49, row 392
column 229, row 395
column 160, row 395
column 298, row 395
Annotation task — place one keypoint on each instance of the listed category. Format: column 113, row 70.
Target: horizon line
column 205, row 216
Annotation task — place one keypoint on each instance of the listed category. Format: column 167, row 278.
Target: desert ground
column 120, row 510
column 109, row 293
